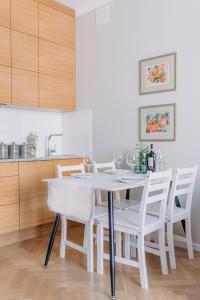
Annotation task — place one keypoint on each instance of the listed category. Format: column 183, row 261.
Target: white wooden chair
column 140, row 224
column 87, row 247
column 118, row 203
column 182, row 186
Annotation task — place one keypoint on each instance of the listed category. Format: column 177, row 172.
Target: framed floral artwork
column 157, row 122
column 158, row 74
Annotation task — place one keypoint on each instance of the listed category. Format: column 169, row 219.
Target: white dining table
column 110, row 184
column 102, row 182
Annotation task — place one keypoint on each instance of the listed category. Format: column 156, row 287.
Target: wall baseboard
column 179, row 241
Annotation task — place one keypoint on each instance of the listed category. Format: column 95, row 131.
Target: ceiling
column 84, row 6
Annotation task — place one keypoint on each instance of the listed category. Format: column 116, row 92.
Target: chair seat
column 123, row 203
column 128, row 219
column 179, row 213
column 99, row 211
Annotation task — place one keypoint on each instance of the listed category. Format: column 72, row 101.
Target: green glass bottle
column 143, row 161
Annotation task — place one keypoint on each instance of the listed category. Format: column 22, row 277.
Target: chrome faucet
column 49, row 151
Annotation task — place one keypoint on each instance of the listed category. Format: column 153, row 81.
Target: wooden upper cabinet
column 24, row 16
column 5, row 47
column 5, row 85
column 56, row 26
column 33, row 193
column 5, row 13
column 24, row 88
column 24, row 51
column 56, row 60
column 56, row 93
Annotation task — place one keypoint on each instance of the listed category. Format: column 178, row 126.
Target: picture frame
column 157, row 123
column 158, row 74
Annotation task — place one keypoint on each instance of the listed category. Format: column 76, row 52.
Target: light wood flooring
column 22, row 276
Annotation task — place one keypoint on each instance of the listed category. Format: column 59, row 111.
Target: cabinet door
column 24, row 88
column 56, row 60
column 66, row 162
column 9, row 190
column 56, row 26
column 5, row 13
column 9, row 218
column 56, row 93
column 5, row 48
column 24, row 51
column 8, row 169
column 24, row 16
column 33, row 193
column 5, row 85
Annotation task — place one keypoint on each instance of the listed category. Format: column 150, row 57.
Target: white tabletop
column 102, row 181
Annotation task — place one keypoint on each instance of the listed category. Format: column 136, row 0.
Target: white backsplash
column 16, row 124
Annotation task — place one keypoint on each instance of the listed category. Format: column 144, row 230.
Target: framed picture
column 157, row 123
column 158, row 74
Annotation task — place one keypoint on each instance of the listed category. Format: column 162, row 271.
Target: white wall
column 16, row 124
column 107, row 72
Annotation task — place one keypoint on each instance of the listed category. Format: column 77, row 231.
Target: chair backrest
column 156, row 190
column 103, row 166
column 61, row 169
column 182, row 185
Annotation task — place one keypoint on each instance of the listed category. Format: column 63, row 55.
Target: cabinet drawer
column 9, row 218
column 9, row 190
column 67, row 162
column 8, row 169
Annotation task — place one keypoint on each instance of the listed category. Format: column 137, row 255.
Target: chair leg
column 189, row 238
column 170, row 241
column 142, row 262
column 133, row 249
column 100, row 248
column 85, row 237
column 118, row 237
column 63, row 236
column 163, row 257
column 127, row 248
column 90, row 262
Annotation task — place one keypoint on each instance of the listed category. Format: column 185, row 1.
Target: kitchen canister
column 24, row 150
column 13, row 151
column 3, row 151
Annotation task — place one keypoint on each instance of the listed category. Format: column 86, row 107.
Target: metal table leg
column 111, row 244
column 179, row 205
column 52, row 239
column 128, row 194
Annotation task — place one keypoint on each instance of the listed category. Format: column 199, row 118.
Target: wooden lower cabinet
column 9, row 218
column 9, row 190
column 33, row 193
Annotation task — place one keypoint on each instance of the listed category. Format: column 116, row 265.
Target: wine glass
column 118, row 158
column 89, row 162
column 131, row 159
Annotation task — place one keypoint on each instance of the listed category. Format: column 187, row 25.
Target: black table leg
column 179, row 205
column 52, row 239
column 128, row 194
column 111, row 242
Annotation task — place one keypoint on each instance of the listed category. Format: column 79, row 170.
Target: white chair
column 87, row 247
column 182, row 186
column 140, row 224
column 117, row 203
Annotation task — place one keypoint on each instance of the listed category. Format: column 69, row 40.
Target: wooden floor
column 22, row 276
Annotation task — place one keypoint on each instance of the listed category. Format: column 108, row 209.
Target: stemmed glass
column 160, row 161
column 118, row 158
column 89, row 162
column 131, row 159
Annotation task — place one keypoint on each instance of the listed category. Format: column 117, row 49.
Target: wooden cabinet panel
column 5, row 85
column 8, row 169
column 24, row 88
column 5, row 13
column 56, row 60
column 9, row 218
column 24, row 16
column 60, row 7
column 56, row 93
column 9, row 190
column 66, row 162
column 24, row 51
column 56, row 26
column 5, row 48
column 33, row 193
